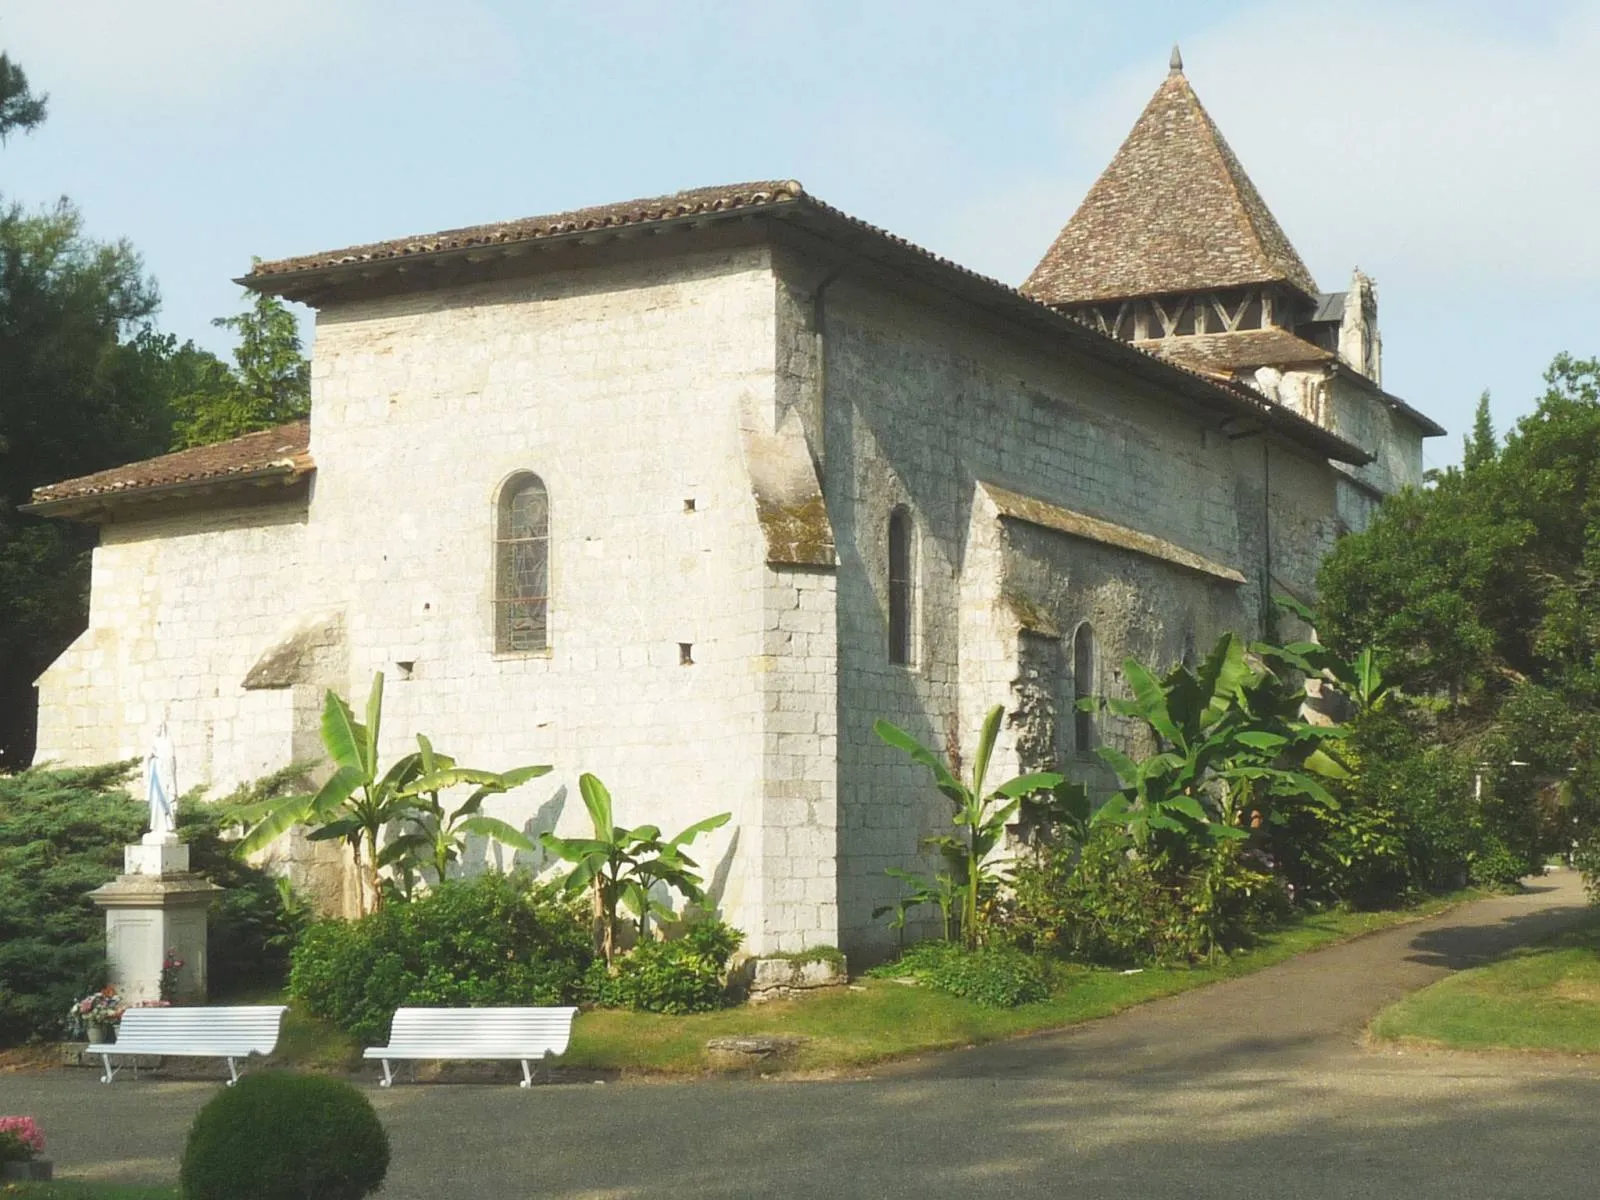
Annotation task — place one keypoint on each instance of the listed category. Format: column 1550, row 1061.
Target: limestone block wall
column 922, row 402
column 180, row 606
column 622, row 388
column 798, row 833
column 1360, row 416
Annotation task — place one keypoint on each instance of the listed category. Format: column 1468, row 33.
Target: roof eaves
column 790, row 201
column 90, row 505
column 1236, row 398
column 1430, row 427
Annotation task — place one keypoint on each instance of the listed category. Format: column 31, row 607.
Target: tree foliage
column 1480, row 446
column 1487, row 580
column 81, row 389
column 19, row 107
column 268, row 385
column 1483, row 592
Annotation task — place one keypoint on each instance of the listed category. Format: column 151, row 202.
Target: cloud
column 165, row 54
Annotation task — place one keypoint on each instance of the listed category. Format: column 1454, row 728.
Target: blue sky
column 1448, row 149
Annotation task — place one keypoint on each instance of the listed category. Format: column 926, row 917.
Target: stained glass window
column 522, row 567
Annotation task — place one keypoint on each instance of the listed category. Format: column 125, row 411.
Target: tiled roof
column 315, row 278
column 1222, row 353
column 690, row 203
column 1173, row 213
column 283, row 451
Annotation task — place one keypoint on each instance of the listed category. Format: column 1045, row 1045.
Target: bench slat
column 476, row 1033
column 228, row 1032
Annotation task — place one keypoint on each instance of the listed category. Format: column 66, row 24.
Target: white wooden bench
column 219, row 1032
column 523, row 1034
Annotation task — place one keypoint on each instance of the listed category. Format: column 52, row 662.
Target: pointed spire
column 1174, row 212
column 1176, row 62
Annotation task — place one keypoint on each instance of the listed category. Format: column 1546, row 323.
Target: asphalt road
column 1258, row 1087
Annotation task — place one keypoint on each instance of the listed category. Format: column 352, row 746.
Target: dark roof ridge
column 685, row 203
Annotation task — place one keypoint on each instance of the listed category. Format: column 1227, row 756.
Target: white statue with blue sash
column 161, row 789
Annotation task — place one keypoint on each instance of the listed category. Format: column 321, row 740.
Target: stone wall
column 180, row 607
column 622, row 388
column 924, row 401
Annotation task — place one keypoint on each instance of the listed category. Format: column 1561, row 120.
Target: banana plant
column 1360, row 679
column 1230, row 745
column 939, row 891
column 356, row 802
column 433, row 836
column 620, row 866
column 980, row 815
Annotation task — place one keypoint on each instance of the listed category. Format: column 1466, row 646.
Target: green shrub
column 1586, row 858
column 995, row 976
column 62, row 833
column 1355, row 855
column 61, row 836
column 1106, row 904
column 684, row 975
column 492, row 940
column 254, row 922
column 276, row 1136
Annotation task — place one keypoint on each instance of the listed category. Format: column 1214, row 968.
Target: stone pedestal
column 154, row 906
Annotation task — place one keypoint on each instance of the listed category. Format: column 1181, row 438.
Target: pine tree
column 1480, row 446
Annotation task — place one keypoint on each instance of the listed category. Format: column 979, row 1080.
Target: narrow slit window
column 1083, row 687
column 902, row 590
column 522, row 567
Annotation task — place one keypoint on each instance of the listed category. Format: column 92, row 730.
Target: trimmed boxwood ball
column 277, row 1136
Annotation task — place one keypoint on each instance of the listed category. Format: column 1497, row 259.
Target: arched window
column 902, row 585
column 522, row 566
column 1083, row 687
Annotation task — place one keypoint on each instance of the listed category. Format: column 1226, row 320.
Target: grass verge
column 879, row 1019
column 83, row 1191
column 1540, row 997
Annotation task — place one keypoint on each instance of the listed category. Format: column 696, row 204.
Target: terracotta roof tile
column 689, row 203
column 786, row 200
column 1173, row 213
column 284, row 447
column 1223, row 353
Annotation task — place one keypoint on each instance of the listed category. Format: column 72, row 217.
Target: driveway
column 1257, row 1087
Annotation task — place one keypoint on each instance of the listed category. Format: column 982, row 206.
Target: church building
column 686, row 492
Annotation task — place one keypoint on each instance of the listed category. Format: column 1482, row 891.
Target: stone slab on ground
column 752, row 1050
column 784, row 978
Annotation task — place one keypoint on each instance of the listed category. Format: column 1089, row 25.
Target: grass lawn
column 1540, row 997
column 879, row 1019
column 876, row 1019
column 83, row 1191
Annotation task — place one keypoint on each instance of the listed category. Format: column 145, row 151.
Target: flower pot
column 34, row 1170
column 99, row 1033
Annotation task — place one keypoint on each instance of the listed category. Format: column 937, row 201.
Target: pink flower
column 25, row 1131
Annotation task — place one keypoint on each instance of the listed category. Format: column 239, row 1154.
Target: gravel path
column 1257, row 1087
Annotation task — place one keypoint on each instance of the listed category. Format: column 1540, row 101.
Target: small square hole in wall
column 686, row 654
column 688, row 504
column 406, row 667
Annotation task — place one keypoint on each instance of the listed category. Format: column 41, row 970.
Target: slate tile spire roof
column 1173, row 213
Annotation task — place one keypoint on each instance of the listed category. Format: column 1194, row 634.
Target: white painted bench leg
column 527, row 1075
column 388, row 1075
column 233, row 1073
column 108, row 1073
